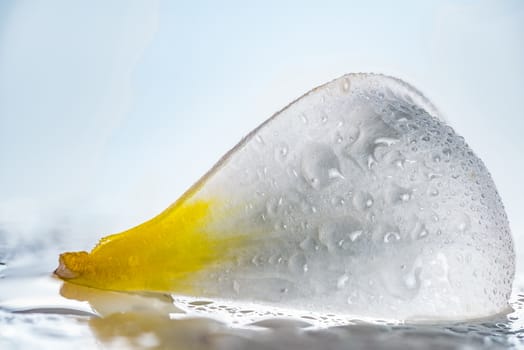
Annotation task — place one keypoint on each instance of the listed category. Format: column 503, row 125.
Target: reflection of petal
column 138, row 331
column 109, row 302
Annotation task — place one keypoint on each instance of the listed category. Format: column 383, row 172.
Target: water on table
column 40, row 311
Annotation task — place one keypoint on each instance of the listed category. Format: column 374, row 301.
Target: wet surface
column 40, row 311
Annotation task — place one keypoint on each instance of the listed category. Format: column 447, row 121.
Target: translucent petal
column 356, row 199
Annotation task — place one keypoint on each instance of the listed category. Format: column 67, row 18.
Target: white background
column 109, row 110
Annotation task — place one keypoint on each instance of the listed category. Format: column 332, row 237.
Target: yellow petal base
column 161, row 254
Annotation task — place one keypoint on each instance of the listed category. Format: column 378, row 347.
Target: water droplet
column 342, row 281
column 461, row 222
column 412, row 278
column 273, row 259
column 298, row 263
column 281, row 153
column 255, row 260
column 371, row 161
column 280, row 226
column 334, row 173
column 308, row 244
column 391, row 237
column 353, row 236
column 320, row 165
column 333, row 234
column 303, row 118
column 463, row 226
column 404, row 197
column 353, row 133
column 362, row 200
column 338, row 201
column 345, row 85
column 385, row 141
column 314, row 182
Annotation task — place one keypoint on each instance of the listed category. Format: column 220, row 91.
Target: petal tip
column 70, row 265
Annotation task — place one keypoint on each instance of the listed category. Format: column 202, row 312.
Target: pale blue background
column 109, row 110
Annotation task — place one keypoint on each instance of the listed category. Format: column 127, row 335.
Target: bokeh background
column 109, row 110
